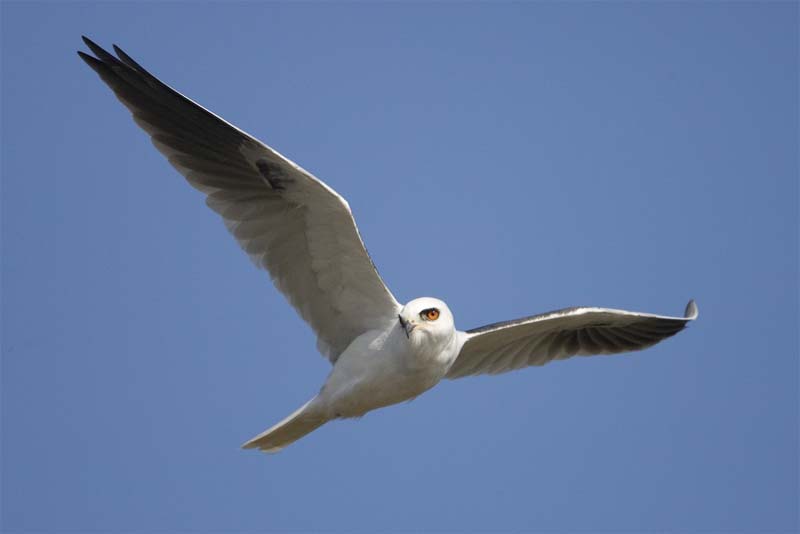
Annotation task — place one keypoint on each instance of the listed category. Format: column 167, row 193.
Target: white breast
column 380, row 368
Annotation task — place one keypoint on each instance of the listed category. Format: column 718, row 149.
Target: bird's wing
column 288, row 221
column 501, row 347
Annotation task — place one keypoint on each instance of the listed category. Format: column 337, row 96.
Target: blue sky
column 508, row 158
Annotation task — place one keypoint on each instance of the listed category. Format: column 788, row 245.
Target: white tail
column 294, row 427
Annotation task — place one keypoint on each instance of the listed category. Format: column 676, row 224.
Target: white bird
column 303, row 233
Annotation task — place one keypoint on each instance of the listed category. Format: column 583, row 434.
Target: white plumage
column 303, row 233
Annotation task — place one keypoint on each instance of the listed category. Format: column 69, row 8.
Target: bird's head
column 427, row 320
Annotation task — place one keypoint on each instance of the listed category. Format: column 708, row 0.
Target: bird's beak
column 407, row 326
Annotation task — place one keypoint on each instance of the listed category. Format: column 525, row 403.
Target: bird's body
column 300, row 230
column 384, row 367
column 379, row 368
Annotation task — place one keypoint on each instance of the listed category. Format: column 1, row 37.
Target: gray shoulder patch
column 273, row 174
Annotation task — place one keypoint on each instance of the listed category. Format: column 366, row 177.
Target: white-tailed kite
column 303, row 233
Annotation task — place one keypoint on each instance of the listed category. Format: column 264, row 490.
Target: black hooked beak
column 406, row 326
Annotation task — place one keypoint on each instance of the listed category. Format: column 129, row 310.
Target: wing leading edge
column 289, row 222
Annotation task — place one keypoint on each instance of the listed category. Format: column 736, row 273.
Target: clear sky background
column 508, row 158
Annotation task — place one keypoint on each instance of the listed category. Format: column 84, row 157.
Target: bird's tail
column 303, row 421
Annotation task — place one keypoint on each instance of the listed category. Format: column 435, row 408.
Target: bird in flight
column 303, row 233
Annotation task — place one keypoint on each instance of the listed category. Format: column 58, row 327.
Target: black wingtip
column 84, row 56
column 126, row 59
column 92, row 61
column 88, row 42
column 100, row 52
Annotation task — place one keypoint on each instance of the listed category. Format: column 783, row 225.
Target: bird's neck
column 435, row 352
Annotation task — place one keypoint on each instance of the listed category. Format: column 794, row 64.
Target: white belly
column 378, row 369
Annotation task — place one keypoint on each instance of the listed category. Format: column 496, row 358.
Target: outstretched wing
column 288, row 221
column 501, row 347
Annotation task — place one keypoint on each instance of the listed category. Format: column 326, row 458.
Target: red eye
column 431, row 314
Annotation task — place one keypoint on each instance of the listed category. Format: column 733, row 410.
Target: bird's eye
column 431, row 314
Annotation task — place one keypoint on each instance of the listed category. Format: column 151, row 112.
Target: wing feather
column 537, row 340
column 289, row 222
